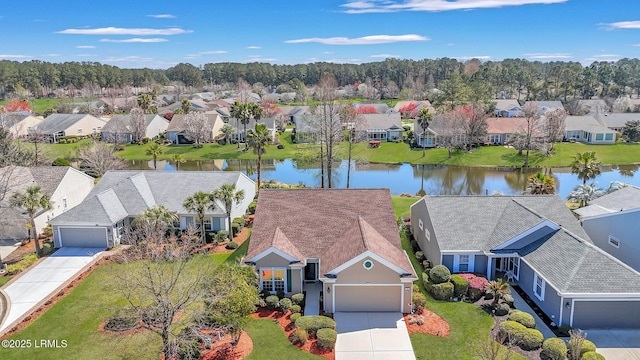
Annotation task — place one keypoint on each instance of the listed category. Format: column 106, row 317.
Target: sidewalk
column 312, row 299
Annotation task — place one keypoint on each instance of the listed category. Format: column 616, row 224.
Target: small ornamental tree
column 17, row 106
column 366, row 109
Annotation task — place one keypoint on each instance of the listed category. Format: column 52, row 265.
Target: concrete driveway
column 616, row 344
column 372, row 336
column 38, row 283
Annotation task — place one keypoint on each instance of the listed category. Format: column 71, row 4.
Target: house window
column 80, row 131
column 614, row 242
column 514, row 266
column 420, row 224
column 272, row 279
column 64, row 202
column 367, row 264
column 427, row 234
column 207, row 222
column 463, row 265
column 608, row 137
column 538, row 286
column 599, row 137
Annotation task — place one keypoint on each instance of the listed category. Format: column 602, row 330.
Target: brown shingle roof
column 334, row 225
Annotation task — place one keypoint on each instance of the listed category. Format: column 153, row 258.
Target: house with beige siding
column 119, row 128
column 59, row 125
column 18, row 123
column 345, row 240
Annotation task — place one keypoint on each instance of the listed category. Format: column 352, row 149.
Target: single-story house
column 292, row 111
column 409, row 109
column 175, row 129
column 379, row 108
column 58, row 125
column 613, row 223
column 239, row 134
column 382, row 127
column 65, row 186
column 592, row 106
column 507, row 108
column 544, row 106
column 119, row 129
column 347, row 240
column 120, row 196
column 500, row 129
column 586, row 129
column 617, row 121
column 427, row 139
column 18, row 123
column 538, row 241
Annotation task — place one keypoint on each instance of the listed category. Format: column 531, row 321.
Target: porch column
column 490, row 260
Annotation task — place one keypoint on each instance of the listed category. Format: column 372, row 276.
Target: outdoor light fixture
column 567, row 305
column 328, row 289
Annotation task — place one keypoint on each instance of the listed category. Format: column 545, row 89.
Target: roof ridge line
column 363, row 233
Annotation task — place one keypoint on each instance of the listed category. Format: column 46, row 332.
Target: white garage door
column 84, row 237
column 368, row 298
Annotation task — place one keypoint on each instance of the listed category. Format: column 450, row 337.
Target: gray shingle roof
column 129, row 193
column 382, row 121
column 626, row 198
column 123, row 121
column 55, row 123
column 617, row 120
column 48, row 177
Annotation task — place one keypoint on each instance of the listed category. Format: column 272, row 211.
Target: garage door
column 368, row 298
column 83, row 237
column 605, row 314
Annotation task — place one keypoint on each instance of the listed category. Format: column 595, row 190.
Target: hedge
column 313, row 323
column 443, row 291
column 298, row 298
column 439, row 274
column 272, row 301
column 295, row 309
column 326, row 338
column 285, row 304
column 460, row 285
column 240, row 220
column 592, row 355
column 295, row 316
column 586, row 346
column 554, row 349
column 527, row 339
column 251, row 209
column 523, row 318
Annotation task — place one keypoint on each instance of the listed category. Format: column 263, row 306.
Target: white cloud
column 365, row 40
column 544, row 56
column 162, row 16
column 135, row 40
column 384, row 56
column 85, row 47
column 327, row 53
column 482, row 57
column 339, row 61
column 376, row 6
column 623, row 25
column 253, row 47
column 255, row 56
column 9, row 57
column 52, row 55
column 604, row 57
column 126, row 31
column 213, row 52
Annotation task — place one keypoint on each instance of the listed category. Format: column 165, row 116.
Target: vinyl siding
column 624, row 227
column 552, row 302
column 430, row 247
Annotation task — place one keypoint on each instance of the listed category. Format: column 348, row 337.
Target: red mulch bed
column 288, row 328
column 239, row 238
column 26, row 249
column 433, row 324
column 242, row 349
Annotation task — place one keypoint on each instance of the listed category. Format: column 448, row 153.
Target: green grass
column 401, row 205
column 270, row 342
column 40, row 105
column 4, row 280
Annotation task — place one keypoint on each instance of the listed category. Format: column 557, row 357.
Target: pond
column 404, row 178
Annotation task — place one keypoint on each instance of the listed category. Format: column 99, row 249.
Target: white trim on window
column 427, row 234
column 538, row 286
column 514, row 266
column 272, row 284
column 614, row 242
column 463, row 262
column 420, row 224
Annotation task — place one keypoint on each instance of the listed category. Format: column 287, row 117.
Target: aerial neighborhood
column 351, row 213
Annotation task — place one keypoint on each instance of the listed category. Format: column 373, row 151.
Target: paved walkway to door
column 372, row 336
column 312, row 301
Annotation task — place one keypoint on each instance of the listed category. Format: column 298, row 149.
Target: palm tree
column 586, row 166
column 154, row 150
column 199, row 203
column 585, row 193
column 257, row 140
column 157, row 216
column 244, row 112
column 32, row 200
column 423, row 119
column 228, row 195
column 178, row 159
column 498, row 288
column 541, row 184
column 227, row 130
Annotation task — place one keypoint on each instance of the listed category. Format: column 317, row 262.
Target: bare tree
column 138, row 124
column 475, row 124
column 36, row 138
column 532, row 131
column 554, row 127
column 197, row 128
column 244, row 90
column 161, row 280
column 357, row 132
column 330, row 127
column 97, row 158
column 391, row 91
column 450, row 128
column 576, row 339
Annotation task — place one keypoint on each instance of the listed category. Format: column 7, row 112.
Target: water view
column 403, row 178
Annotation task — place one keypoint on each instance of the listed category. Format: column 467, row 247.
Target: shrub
column 460, row 285
column 300, row 336
column 439, row 274
column 295, row 309
column 501, row 309
column 477, row 286
column 251, row 209
column 272, row 301
column 508, row 299
column 232, row 245
column 592, row 355
column 240, row 220
column 419, row 301
column 121, row 323
column 295, row 316
column 210, row 236
column 280, row 294
column 488, row 295
column 527, row 339
column 265, row 293
column 285, row 304
column 326, row 338
column 523, row 318
column 280, row 146
column 586, row 346
column 61, row 162
column 298, row 298
column 442, row 291
column 554, row 349
column 426, row 264
column 47, row 249
column 564, row 330
column 419, row 255
column 21, row 265
column 313, row 323
column 236, row 227
column 221, row 235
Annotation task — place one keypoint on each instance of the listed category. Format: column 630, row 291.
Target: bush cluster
column 221, row 235
column 251, row 209
column 232, row 245
column 554, row 349
column 300, row 336
column 313, row 323
column 294, row 317
column 298, row 299
column 285, row 304
column 587, row 346
column 326, row 338
column 295, row 309
column 272, row 301
column 477, row 286
column 592, row 355
column 121, row 323
column 419, row 301
column 527, row 339
column 439, row 274
column 26, row 261
column 441, row 291
column 460, row 285
column 523, row 318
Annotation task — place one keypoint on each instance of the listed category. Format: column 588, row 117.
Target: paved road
column 42, row 280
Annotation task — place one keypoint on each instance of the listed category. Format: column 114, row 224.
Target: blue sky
column 160, row 34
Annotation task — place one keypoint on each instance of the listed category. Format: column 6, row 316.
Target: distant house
column 307, row 127
column 120, row 196
column 119, row 103
column 427, row 139
column 119, row 130
column 507, row 108
column 613, row 223
column 382, row 127
column 239, row 134
column 379, row 108
column 586, row 129
column 409, row 109
column 617, row 121
column 544, row 106
column 292, row 111
column 543, row 248
column 175, row 129
column 592, row 106
column 500, row 129
column 65, row 186
column 18, row 123
column 58, row 125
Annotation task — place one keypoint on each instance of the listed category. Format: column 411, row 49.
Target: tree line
column 393, row 78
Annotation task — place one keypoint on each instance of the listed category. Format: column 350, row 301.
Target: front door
column 310, row 272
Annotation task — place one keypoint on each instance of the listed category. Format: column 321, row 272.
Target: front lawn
column 4, row 279
column 270, row 342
